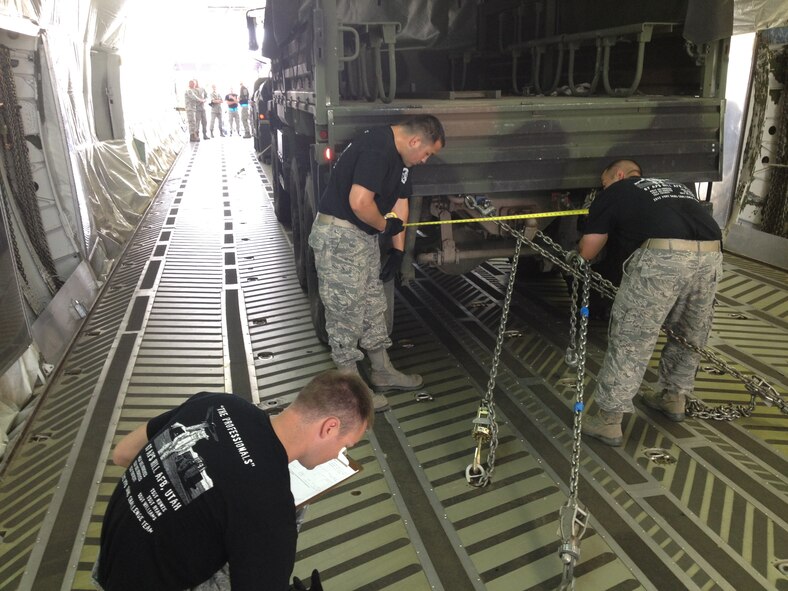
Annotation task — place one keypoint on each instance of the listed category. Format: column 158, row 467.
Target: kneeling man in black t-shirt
column 207, row 485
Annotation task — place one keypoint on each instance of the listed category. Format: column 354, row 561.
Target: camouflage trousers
column 233, row 117
column 348, row 269
column 245, row 118
column 202, row 121
column 214, row 118
column 193, row 119
column 673, row 288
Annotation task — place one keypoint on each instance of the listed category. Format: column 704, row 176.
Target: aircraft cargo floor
column 206, row 298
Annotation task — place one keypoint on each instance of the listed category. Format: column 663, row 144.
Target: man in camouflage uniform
column 192, row 101
column 369, row 182
column 670, row 279
column 216, row 110
column 243, row 101
column 202, row 120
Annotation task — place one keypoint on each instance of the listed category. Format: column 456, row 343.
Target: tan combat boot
column 379, row 402
column 605, row 426
column 669, row 404
column 385, row 377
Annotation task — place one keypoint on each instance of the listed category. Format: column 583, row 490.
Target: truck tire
column 297, row 222
column 316, row 308
column 281, row 196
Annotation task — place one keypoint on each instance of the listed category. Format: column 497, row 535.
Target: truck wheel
column 297, row 222
column 316, row 308
column 281, row 196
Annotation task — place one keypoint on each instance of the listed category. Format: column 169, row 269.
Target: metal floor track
column 206, row 298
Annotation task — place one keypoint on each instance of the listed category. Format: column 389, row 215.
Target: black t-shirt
column 636, row 209
column 372, row 161
column 210, row 487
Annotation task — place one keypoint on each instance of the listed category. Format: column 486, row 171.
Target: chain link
column 755, row 384
column 573, row 516
column 485, row 426
column 571, row 351
column 19, row 175
column 582, row 340
column 475, row 476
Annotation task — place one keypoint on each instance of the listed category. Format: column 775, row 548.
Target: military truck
column 535, row 97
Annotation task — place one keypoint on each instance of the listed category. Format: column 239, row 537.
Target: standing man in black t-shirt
column 367, row 195
column 232, row 111
column 208, row 488
column 670, row 279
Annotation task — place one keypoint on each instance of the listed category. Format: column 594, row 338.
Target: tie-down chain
column 573, row 516
column 756, row 385
column 485, row 429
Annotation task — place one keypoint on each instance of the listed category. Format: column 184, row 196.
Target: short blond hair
column 340, row 394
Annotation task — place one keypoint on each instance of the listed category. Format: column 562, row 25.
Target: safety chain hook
column 475, row 473
column 572, row 525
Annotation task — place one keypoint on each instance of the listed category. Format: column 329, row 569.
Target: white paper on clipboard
column 308, row 484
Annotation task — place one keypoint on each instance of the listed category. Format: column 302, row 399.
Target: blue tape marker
column 579, row 406
column 584, row 311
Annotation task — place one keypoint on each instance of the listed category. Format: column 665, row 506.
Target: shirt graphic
column 662, row 188
column 170, row 473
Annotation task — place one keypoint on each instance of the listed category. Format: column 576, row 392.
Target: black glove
column 393, row 227
column 315, row 585
column 391, row 265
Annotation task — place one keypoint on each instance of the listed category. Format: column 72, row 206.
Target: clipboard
column 308, row 485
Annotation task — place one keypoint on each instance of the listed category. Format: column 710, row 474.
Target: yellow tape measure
column 502, row 218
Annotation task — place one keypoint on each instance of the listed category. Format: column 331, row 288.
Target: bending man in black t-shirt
column 670, row 279
column 207, row 489
column 367, row 195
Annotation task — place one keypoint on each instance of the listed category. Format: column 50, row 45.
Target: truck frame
column 535, row 97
